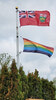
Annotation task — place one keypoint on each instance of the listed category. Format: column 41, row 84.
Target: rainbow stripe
column 30, row 46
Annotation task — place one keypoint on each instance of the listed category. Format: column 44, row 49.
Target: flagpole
column 17, row 37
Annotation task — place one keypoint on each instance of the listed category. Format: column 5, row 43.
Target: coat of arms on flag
column 43, row 17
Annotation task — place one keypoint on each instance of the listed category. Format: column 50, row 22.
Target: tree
column 48, row 90
column 15, row 85
column 35, row 85
column 14, row 89
column 5, row 59
column 4, row 82
column 54, row 83
column 24, row 81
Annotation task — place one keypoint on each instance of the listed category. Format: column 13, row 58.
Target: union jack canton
column 26, row 14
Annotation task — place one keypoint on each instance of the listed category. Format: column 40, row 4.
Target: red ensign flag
column 39, row 18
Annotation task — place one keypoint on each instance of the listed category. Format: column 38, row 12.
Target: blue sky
column 44, row 35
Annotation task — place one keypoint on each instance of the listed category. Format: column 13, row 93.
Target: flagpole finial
column 16, row 7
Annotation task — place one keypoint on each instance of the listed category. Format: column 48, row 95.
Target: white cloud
column 8, row 46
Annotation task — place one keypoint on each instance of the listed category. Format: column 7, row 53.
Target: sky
column 44, row 35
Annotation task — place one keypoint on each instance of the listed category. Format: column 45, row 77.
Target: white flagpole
column 17, row 37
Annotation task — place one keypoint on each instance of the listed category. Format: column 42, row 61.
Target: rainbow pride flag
column 30, row 46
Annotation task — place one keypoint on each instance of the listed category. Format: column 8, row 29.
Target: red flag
column 39, row 18
column 43, row 18
column 27, row 18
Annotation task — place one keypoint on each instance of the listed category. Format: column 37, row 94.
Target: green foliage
column 15, row 85
column 24, row 81
column 4, row 82
column 35, row 85
column 54, row 83
column 14, row 82
column 48, row 90
column 5, row 59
